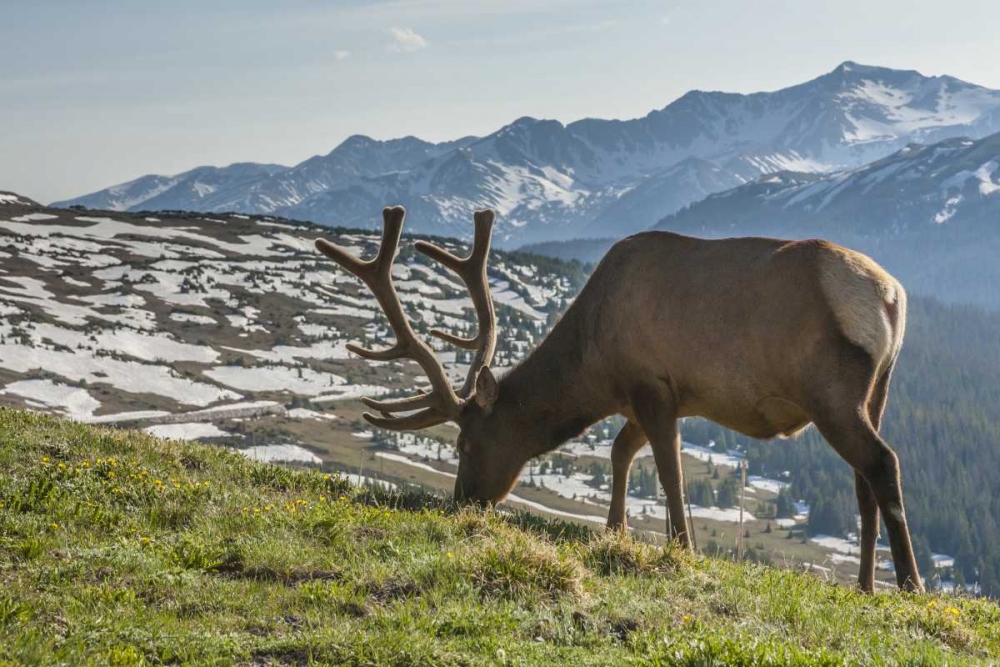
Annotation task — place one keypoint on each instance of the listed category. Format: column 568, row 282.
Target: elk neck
column 552, row 395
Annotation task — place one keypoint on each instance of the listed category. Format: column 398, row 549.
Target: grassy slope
column 116, row 548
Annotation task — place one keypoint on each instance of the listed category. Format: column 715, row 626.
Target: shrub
column 516, row 566
column 616, row 553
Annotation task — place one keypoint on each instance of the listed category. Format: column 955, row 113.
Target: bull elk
column 762, row 336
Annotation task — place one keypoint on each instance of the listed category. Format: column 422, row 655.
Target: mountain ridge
column 594, row 177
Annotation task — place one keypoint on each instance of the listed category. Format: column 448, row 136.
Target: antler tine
column 401, row 405
column 414, row 422
column 472, row 271
column 392, row 228
column 442, row 403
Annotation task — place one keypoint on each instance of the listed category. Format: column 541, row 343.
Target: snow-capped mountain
column 186, row 191
column 593, row 177
column 932, row 213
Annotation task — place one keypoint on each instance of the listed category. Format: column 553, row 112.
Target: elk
column 762, row 336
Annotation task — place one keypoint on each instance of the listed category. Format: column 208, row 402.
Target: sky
column 97, row 93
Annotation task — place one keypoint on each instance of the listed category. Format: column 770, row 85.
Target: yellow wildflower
column 45, row 459
column 952, row 610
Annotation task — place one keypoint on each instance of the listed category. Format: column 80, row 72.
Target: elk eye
column 463, row 445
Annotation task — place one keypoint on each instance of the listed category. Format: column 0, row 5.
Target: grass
column 117, row 548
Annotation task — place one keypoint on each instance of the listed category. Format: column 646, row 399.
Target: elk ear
column 487, row 389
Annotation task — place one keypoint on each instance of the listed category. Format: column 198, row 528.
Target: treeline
column 943, row 420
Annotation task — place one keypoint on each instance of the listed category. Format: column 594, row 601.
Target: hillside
column 591, row 178
column 121, row 549
column 231, row 330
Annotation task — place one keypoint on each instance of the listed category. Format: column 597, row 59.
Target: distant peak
column 524, row 120
column 358, row 140
column 851, row 66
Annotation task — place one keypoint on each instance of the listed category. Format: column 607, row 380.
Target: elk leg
column 867, row 503
column 855, row 438
column 868, row 508
column 627, row 443
column 657, row 416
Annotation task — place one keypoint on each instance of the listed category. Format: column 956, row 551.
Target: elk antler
column 441, row 403
column 472, row 271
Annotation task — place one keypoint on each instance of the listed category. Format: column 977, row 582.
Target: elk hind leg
column 855, row 438
column 867, row 503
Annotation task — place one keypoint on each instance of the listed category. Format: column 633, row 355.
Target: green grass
column 117, row 548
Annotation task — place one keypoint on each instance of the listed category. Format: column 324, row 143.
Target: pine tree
column 728, row 493
column 784, row 508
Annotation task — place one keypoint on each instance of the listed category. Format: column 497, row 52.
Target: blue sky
column 95, row 93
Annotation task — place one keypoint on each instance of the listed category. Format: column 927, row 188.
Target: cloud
column 341, row 55
column 405, row 40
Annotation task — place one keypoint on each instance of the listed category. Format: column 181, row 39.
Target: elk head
column 488, row 468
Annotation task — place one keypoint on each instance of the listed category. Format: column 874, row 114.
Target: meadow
column 119, row 548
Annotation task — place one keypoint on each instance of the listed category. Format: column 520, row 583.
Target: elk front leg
column 627, row 443
column 657, row 415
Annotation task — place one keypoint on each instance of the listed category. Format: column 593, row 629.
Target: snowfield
column 195, row 311
column 281, row 453
column 188, row 431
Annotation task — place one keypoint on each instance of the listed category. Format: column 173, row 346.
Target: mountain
column 597, row 178
column 13, row 199
column 190, row 190
column 264, row 188
column 357, row 157
column 930, row 214
column 688, row 181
